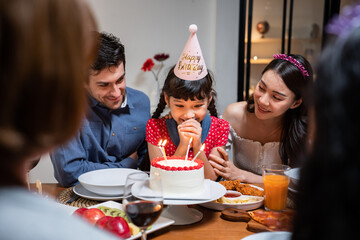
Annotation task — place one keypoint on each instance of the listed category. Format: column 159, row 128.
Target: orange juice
column 275, row 187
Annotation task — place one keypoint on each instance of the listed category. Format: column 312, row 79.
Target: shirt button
column 113, row 134
column 135, row 128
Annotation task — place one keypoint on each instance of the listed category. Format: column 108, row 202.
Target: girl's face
column 272, row 97
column 182, row 110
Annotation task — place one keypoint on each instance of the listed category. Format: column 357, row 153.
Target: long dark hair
column 182, row 89
column 333, row 166
column 294, row 132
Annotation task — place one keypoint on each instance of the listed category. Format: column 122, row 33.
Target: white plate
column 216, row 191
column 203, row 195
column 106, row 182
column 269, row 236
column 82, row 192
column 245, row 206
column 160, row 223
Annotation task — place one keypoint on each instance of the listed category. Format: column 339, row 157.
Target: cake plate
column 178, row 210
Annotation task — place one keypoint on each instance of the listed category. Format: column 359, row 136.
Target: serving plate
column 245, row 206
column 83, row 192
column 162, row 222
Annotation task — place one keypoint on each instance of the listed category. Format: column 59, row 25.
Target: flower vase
column 155, row 96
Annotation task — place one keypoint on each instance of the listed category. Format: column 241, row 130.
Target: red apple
column 80, row 211
column 102, row 221
column 119, row 227
column 92, row 215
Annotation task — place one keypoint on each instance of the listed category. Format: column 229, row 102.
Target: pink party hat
column 191, row 65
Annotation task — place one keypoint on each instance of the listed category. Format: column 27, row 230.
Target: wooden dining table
column 212, row 226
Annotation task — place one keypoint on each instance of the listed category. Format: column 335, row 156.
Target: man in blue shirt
column 113, row 132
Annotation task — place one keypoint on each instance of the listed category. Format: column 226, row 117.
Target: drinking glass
column 276, row 184
column 143, row 200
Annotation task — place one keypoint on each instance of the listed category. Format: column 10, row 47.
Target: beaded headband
column 293, row 61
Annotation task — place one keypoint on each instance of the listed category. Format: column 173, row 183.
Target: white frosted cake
column 179, row 177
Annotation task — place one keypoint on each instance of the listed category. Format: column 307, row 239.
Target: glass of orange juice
column 276, row 184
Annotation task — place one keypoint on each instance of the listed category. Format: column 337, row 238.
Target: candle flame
column 201, row 149
column 164, row 142
column 160, row 142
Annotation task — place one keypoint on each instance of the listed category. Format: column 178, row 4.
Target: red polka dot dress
column 217, row 136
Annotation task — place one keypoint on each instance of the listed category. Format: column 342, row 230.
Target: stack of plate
column 103, row 184
column 294, row 175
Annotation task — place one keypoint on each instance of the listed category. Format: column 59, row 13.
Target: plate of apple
column 110, row 216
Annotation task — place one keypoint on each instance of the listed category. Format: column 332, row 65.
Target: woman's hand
column 224, row 167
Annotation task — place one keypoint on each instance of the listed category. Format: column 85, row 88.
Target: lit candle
column 201, row 149
column 188, row 148
column 163, row 149
column 161, row 145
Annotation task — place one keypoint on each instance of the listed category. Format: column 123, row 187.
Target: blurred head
column 336, row 99
column 107, row 74
column 187, row 99
column 334, row 160
column 45, row 51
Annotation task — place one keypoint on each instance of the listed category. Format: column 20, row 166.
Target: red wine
column 143, row 213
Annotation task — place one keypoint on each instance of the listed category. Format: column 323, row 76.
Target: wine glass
column 143, row 200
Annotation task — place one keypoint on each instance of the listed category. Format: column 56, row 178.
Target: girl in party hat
column 188, row 93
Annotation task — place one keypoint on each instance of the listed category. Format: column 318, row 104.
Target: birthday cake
column 179, row 177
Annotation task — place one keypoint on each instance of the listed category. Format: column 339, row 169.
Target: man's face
column 108, row 86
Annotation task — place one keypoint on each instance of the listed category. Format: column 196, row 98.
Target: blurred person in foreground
column 45, row 51
column 327, row 207
column 113, row 133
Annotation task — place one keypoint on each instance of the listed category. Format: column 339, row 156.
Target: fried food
column 246, row 189
column 241, row 200
column 243, row 188
column 229, row 185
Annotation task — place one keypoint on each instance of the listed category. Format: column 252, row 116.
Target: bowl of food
column 236, row 199
column 106, row 182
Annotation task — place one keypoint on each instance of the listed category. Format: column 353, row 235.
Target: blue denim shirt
column 105, row 140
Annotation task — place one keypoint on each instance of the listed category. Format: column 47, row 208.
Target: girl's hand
column 190, row 128
column 224, row 167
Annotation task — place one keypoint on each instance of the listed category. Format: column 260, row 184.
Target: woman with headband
column 271, row 126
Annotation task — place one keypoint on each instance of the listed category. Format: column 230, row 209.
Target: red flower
column 148, row 64
column 161, row 57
